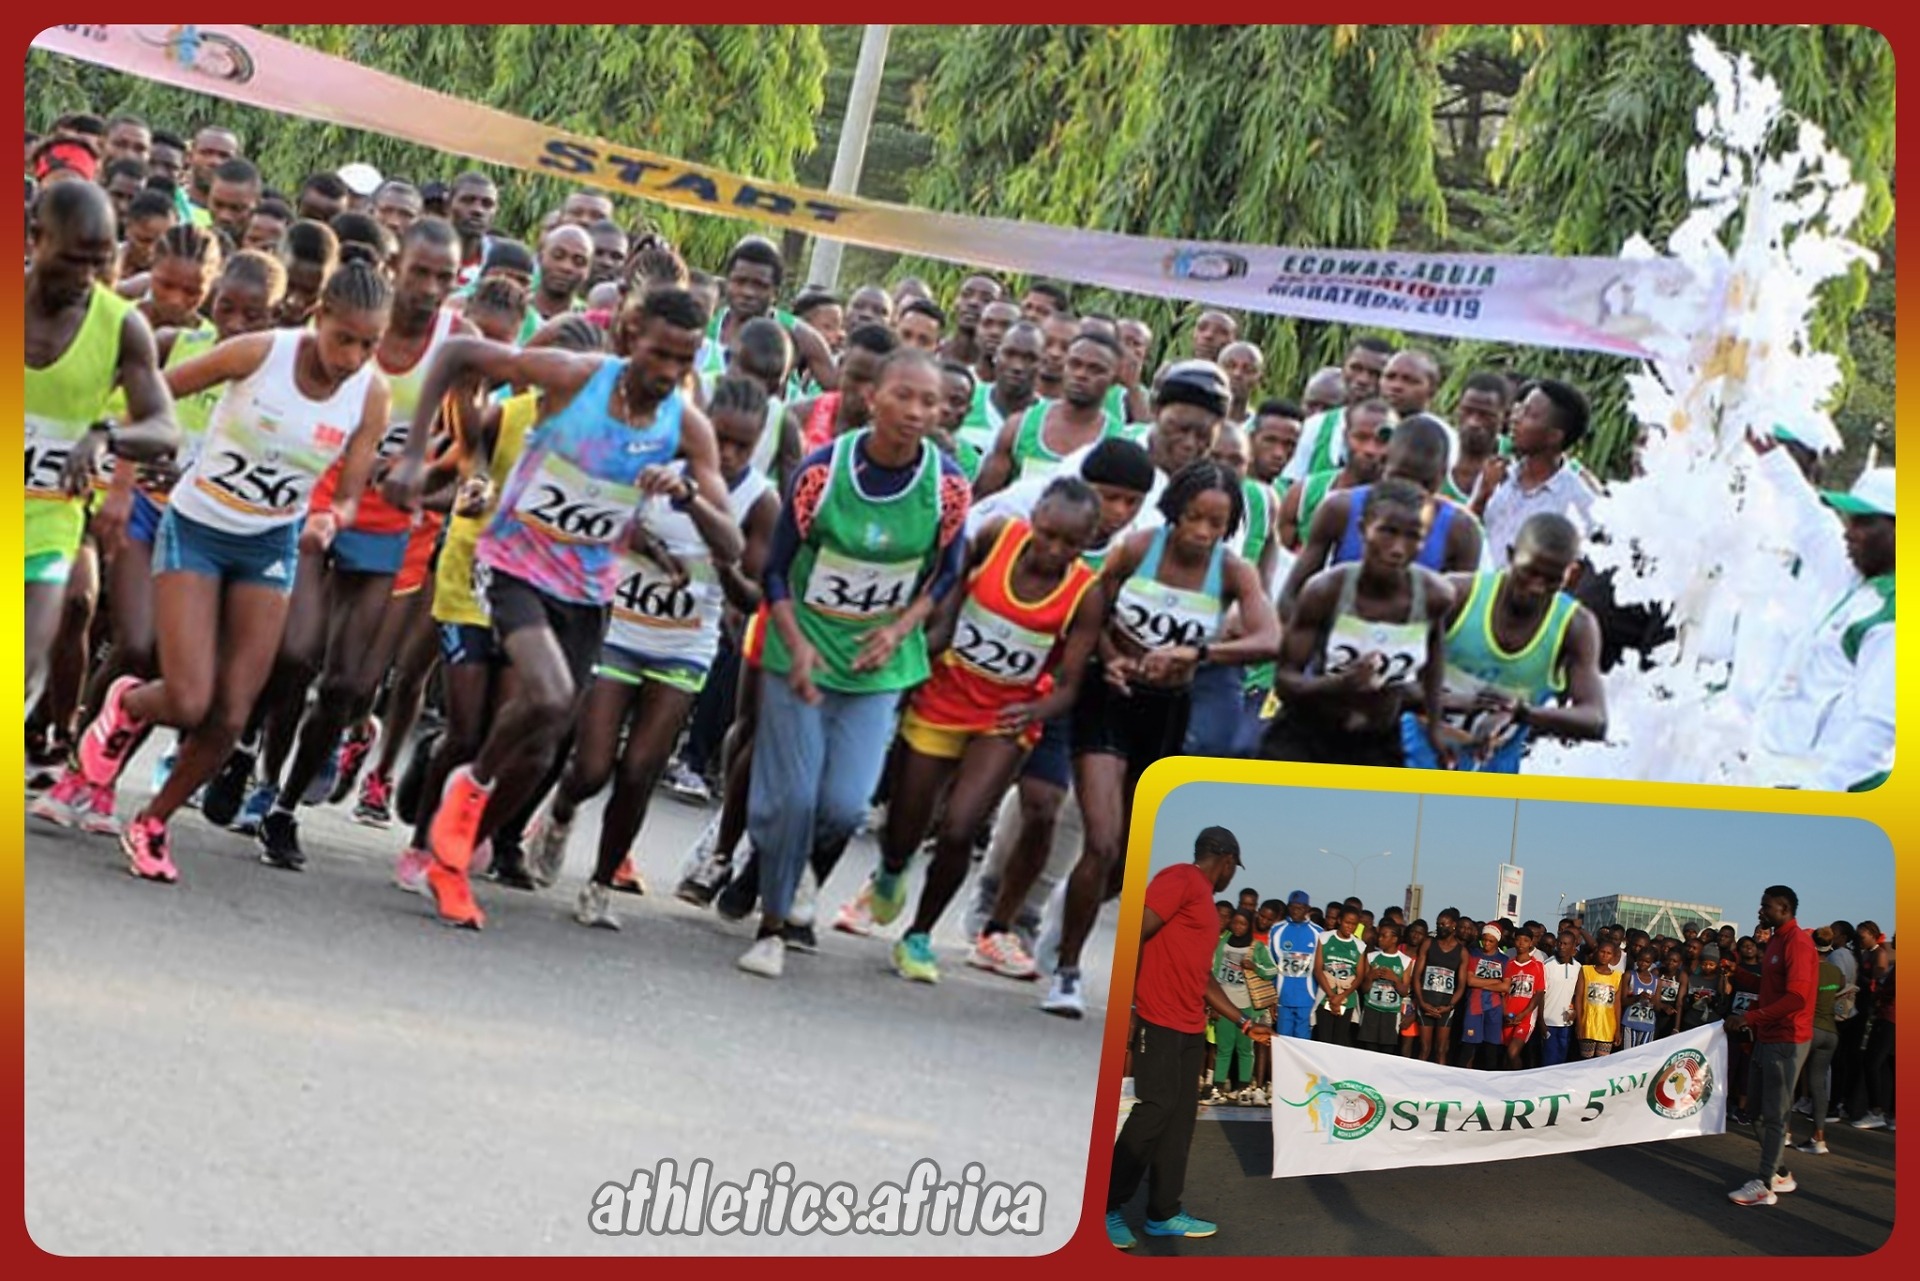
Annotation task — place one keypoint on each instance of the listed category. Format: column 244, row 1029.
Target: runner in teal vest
column 1523, row 656
column 869, row 541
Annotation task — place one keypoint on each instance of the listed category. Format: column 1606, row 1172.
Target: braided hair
column 1197, row 478
column 195, row 244
column 357, row 286
column 743, row 396
column 252, row 267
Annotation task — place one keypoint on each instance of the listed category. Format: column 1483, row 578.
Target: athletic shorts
column 1291, row 736
column 579, row 629
column 1051, row 760
column 416, row 563
column 143, row 523
column 266, row 559
column 628, row 667
column 1427, row 1020
column 1418, row 749
column 1145, row 726
column 49, row 569
column 355, row 551
column 1520, row 1033
column 1484, row 1028
column 944, row 742
column 463, row 645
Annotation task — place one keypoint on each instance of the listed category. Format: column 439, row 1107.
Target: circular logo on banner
column 1205, row 265
column 1682, row 1086
column 1357, row 1108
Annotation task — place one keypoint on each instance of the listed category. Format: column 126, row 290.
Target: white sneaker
column 595, row 907
column 856, row 914
column 1871, row 1121
column 1066, row 999
column 767, row 957
column 1255, row 1096
column 547, row 846
column 1753, row 1192
column 1784, row 1182
column 1818, row 1147
column 1003, row 955
column 804, row 896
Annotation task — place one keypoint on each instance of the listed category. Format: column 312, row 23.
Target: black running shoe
column 736, row 900
column 510, row 868
column 280, row 842
column 227, row 791
column 799, row 938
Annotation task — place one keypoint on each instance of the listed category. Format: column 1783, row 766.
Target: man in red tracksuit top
column 1782, row 1027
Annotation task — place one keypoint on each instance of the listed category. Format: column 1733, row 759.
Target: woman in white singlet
column 295, row 401
column 1366, row 642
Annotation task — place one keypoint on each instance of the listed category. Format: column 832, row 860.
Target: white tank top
column 406, row 387
column 267, row 445
column 766, row 454
column 652, row 617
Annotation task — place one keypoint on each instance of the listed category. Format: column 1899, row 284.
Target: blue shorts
column 1485, row 1028
column 1051, row 760
column 355, row 551
column 1553, row 1050
column 144, row 522
column 267, row 559
column 1295, row 1021
column 464, row 645
column 1419, row 751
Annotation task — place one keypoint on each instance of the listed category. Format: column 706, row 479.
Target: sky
column 1842, row 868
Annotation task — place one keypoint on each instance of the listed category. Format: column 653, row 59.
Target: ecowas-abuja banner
column 1337, row 1109
column 1594, row 304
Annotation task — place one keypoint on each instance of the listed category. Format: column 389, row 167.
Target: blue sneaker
column 1119, row 1235
column 254, row 812
column 1181, row 1225
column 163, row 768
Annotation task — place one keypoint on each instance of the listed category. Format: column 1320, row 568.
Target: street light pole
column 852, row 153
column 1355, row 864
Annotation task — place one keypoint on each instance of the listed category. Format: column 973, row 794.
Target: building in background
column 1654, row 915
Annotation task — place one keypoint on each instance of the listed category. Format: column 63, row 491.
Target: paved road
column 1653, row 1198
column 256, row 1061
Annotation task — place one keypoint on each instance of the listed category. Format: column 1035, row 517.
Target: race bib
column 1401, row 646
column 1160, row 617
column 1669, row 992
column 998, row 648
column 49, row 444
column 1744, row 1001
column 1296, row 965
column 842, row 587
column 649, row 597
column 1383, row 995
column 1601, row 994
column 395, row 440
column 480, row 577
column 1489, row 967
column 573, row 507
column 1641, row 1011
column 1341, row 972
column 1522, row 985
column 1469, row 720
column 260, row 485
column 1438, row 980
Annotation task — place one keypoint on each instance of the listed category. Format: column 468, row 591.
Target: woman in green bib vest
column 869, row 541
column 1365, row 641
column 82, row 342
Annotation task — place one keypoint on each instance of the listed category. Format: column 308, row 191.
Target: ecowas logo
column 1341, row 1109
column 1682, row 1086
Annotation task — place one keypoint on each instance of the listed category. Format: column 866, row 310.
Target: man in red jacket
column 1782, row 1027
column 1174, row 990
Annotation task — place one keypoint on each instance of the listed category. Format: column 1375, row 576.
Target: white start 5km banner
column 1336, row 1110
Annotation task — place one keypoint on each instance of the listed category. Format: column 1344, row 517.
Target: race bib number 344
column 846, row 588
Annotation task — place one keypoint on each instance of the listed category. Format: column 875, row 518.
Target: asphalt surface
column 1664, row 1198
column 258, row 1061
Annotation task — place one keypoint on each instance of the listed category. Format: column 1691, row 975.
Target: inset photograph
column 1361, row 1019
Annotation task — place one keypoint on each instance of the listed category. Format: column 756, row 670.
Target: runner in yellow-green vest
column 1049, row 431
column 82, row 341
column 1011, row 392
column 1366, row 426
column 751, row 278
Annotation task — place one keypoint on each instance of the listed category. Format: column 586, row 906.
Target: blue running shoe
column 1119, row 1235
column 1181, row 1225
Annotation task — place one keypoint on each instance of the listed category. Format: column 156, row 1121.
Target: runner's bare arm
column 1433, row 677
column 1287, row 519
column 150, row 430
column 1259, row 639
column 787, row 455
column 702, row 455
column 1323, row 536
column 227, row 362
column 810, row 349
column 1464, row 541
column 1083, row 634
column 1584, row 714
column 362, row 451
column 741, row 582
column 996, row 470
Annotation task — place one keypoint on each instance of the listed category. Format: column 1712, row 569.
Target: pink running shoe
column 410, row 870
column 146, row 846
column 98, row 816
column 107, row 743
column 64, row 802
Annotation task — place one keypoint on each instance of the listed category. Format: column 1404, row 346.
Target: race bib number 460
column 846, row 588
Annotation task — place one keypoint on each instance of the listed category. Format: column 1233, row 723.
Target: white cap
column 362, row 179
column 1871, row 495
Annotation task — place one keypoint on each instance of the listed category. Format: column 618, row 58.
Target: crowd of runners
column 304, row 466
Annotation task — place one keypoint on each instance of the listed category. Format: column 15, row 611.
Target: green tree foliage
column 1266, row 134
column 743, row 98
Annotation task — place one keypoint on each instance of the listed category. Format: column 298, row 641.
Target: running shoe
column 806, row 895
column 913, row 959
column 706, row 871
column 766, row 958
column 280, row 842
column 627, row 878
column 107, row 743
column 509, row 868
column 1873, row 1120
column 145, row 844
column 254, row 812
column 1753, row 1192
column 686, row 784
column 1069, row 1002
column 1119, row 1235
column 547, row 846
column 799, row 938
column 410, row 870
column 376, row 801
column 98, row 816
column 736, row 899
column 353, row 756
column 452, row 896
column 1814, row 1147
column 455, row 824
column 889, row 895
column 163, row 768
column 856, row 916
column 227, row 790
column 1002, row 954
column 595, row 907
column 65, row 802
column 1181, row 1225
column 1783, row 1182
column 1254, row 1096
